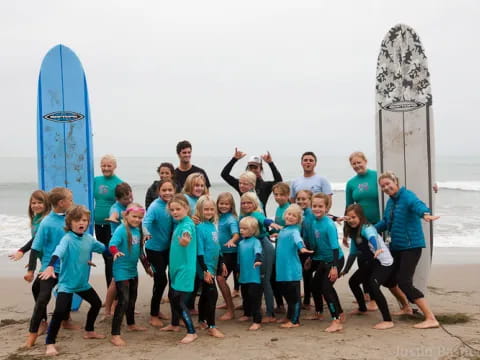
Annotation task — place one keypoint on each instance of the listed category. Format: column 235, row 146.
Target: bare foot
column 202, row 325
column 223, row 306
column 227, row 316
column 93, row 335
column 135, row 327
column 358, row 312
column 289, row 325
column 43, row 328
column 51, row 350
column 170, row 328
column 31, row 339
column 70, row 325
column 268, row 319
column 243, row 318
column 155, row 321
column 282, row 321
column 372, row 306
column 163, row 316
column 384, row 325
column 117, row 341
column 407, row 310
column 427, row 324
column 336, row 325
column 239, row 307
column 189, row 338
column 314, row 316
column 254, row 327
column 235, row 293
column 215, row 333
column 306, row 306
column 280, row 310
column 342, row 317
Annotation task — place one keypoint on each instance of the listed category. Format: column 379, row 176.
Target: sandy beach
column 454, row 288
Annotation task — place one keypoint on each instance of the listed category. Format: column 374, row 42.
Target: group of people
column 202, row 240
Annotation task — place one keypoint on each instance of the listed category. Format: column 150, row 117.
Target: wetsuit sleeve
column 53, row 260
column 201, row 262
column 207, row 180
column 258, row 251
column 333, row 217
column 277, row 177
column 25, row 248
column 350, row 261
column 32, row 260
column 335, row 257
column 225, row 174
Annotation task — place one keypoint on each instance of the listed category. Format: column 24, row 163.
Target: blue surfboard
column 64, row 133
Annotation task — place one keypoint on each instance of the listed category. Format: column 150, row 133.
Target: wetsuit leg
column 359, row 277
column 62, row 307
column 175, row 315
column 178, row 301
column 307, row 280
column 245, row 300
column 191, row 299
column 159, row 262
column 123, row 296
column 93, row 299
column 255, row 300
column 408, row 262
column 277, row 293
column 40, row 309
column 317, row 286
column 207, row 303
column 267, row 267
column 103, row 234
column 132, row 299
column 329, row 291
column 291, row 292
column 379, row 275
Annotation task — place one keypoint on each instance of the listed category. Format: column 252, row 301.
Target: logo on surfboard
column 64, row 116
column 402, row 106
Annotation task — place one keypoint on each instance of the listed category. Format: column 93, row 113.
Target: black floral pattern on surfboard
column 403, row 80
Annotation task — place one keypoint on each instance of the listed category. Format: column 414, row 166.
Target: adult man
column 185, row 167
column 310, row 181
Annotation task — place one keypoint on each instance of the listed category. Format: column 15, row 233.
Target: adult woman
column 262, row 188
column 402, row 220
column 165, row 171
column 104, row 194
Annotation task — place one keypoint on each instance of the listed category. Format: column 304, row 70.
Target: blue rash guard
column 324, row 239
column 227, row 227
column 287, row 261
column 249, row 252
column 159, row 224
column 119, row 209
column 208, row 247
column 125, row 267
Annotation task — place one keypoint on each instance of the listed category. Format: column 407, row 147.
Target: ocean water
column 457, row 202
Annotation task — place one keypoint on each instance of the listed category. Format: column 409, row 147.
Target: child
column 209, row 262
column 228, row 237
column 159, row 223
column 250, row 260
column 38, row 208
column 49, row 234
column 126, row 246
column 195, row 186
column 304, row 200
column 377, row 262
column 281, row 192
column 326, row 260
column 74, row 251
column 288, row 267
column 123, row 196
column 250, row 206
column 182, row 267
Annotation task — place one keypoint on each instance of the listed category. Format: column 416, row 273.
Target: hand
column 378, row 252
column 113, row 218
column 238, row 154
column 345, row 242
column 48, row 273
column 224, row 270
column 184, row 240
column 117, row 255
column 333, row 274
column 207, row 277
column 257, row 263
column 230, row 244
column 428, row 217
column 435, row 188
column 147, row 237
column 308, row 264
column 196, row 219
column 276, row 226
column 340, row 219
column 91, row 263
column 17, row 256
column 28, row 277
column 267, row 157
column 306, row 251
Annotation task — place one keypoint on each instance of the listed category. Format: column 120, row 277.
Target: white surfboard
column 404, row 125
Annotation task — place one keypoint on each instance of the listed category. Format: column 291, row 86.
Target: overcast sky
column 275, row 75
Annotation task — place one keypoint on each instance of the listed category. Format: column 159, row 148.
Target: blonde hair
column 41, row 196
column 201, row 204
column 181, row 200
column 109, row 157
column 75, row 213
column 250, row 177
column 229, row 197
column 190, row 183
column 58, row 194
column 282, row 187
column 322, row 196
column 133, row 207
column 295, row 209
column 252, row 225
column 358, row 154
column 250, row 196
column 389, row 175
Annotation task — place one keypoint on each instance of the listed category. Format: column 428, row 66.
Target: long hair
column 133, row 207
column 190, row 183
column 350, row 232
column 250, row 196
column 201, row 204
column 226, row 196
column 41, row 196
